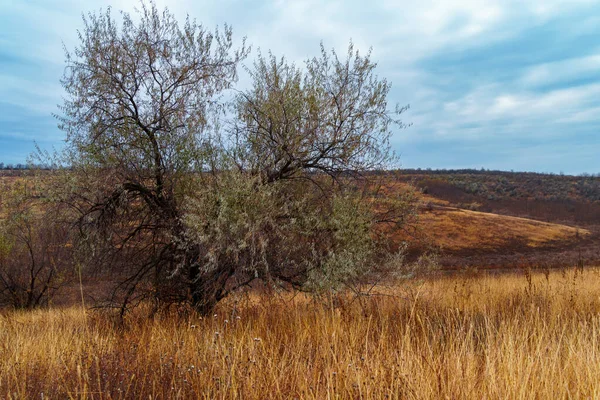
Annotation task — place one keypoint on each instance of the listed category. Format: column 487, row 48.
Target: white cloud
column 490, row 111
column 561, row 71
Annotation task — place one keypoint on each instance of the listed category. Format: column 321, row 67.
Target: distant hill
column 496, row 219
column 545, row 197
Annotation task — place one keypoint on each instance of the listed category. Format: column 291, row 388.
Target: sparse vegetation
column 36, row 252
column 548, row 197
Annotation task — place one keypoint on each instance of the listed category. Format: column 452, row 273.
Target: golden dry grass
column 513, row 336
column 456, row 229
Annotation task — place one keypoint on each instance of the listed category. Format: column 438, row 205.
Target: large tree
column 182, row 206
column 141, row 95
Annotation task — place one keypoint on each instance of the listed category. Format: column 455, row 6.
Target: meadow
column 466, row 335
column 178, row 191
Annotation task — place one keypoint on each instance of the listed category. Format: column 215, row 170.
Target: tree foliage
column 331, row 116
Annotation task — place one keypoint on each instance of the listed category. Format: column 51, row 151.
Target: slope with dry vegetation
column 509, row 232
column 458, row 229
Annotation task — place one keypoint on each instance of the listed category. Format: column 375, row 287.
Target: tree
column 35, row 249
column 307, row 143
column 183, row 210
column 137, row 118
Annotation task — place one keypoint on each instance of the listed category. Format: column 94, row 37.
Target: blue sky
column 494, row 84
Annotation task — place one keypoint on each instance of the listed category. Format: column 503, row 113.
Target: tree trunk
column 207, row 289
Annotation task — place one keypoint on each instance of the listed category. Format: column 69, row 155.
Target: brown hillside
column 465, row 236
column 454, row 230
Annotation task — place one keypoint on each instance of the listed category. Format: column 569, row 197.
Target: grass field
column 504, row 336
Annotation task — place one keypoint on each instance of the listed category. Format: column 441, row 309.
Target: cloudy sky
column 499, row 84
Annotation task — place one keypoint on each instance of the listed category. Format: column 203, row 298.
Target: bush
column 35, row 251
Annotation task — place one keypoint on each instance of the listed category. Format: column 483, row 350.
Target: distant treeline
column 482, row 171
column 497, row 185
column 403, row 171
column 28, row 166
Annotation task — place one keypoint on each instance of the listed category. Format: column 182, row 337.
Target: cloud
column 488, row 82
column 569, row 71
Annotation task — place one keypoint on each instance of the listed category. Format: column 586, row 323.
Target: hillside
column 505, row 220
column 574, row 200
column 460, row 230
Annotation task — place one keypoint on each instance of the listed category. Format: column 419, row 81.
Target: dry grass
column 510, row 336
column 455, row 229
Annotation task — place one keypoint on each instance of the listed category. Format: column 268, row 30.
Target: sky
column 495, row 84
